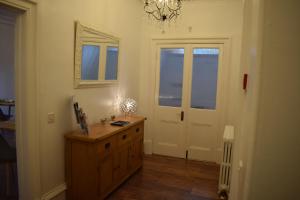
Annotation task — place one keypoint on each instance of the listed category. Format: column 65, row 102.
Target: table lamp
column 128, row 106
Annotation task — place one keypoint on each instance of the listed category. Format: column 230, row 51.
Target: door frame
column 27, row 99
column 225, row 41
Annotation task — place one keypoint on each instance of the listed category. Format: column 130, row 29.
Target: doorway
column 189, row 100
column 8, row 155
column 26, row 114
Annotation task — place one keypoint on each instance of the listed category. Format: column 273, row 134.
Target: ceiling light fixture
column 163, row 10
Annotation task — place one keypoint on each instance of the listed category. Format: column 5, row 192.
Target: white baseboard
column 54, row 192
column 148, row 146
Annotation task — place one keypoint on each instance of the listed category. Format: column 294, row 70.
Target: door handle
column 182, row 115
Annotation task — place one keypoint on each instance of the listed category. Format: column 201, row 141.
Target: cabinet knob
column 107, row 145
column 137, row 130
column 124, row 137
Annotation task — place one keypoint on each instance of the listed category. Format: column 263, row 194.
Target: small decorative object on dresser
column 128, row 106
column 81, row 118
column 98, row 163
column 120, row 123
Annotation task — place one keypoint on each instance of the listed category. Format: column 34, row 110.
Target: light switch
column 51, row 118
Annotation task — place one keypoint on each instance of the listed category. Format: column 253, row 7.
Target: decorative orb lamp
column 128, row 106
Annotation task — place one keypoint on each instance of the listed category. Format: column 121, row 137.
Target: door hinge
column 186, row 154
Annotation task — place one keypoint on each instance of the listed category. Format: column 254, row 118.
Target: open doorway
column 8, row 152
column 26, row 113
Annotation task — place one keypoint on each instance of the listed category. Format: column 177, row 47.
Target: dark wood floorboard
column 165, row 178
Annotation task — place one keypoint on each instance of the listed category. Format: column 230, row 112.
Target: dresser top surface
column 101, row 131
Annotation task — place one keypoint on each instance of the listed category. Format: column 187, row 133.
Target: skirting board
column 148, row 146
column 55, row 192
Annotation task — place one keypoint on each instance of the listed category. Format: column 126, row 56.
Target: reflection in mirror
column 111, row 70
column 90, row 62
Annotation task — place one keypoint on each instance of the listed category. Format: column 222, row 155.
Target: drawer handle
column 107, row 145
column 137, row 130
column 124, row 137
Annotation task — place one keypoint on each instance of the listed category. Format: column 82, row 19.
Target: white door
column 205, row 105
column 170, row 101
column 188, row 101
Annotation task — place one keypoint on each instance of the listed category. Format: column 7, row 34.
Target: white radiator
column 226, row 165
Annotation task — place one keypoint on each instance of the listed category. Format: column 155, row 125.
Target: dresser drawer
column 124, row 137
column 106, row 147
column 137, row 130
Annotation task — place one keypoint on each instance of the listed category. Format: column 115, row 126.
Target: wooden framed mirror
column 96, row 58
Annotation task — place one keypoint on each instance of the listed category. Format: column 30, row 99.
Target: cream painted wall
column 250, row 64
column 276, row 160
column 55, row 36
column 207, row 19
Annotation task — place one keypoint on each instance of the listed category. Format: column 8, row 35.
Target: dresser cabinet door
column 122, row 155
column 122, row 170
column 137, row 147
column 106, row 175
column 136, row 153
column 105, row 169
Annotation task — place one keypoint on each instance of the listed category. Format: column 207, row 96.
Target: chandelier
column 163, row 10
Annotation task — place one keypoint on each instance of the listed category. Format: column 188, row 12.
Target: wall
column 206, row 19
column 55, row 36
column 251, row 65
column 276, row 160
column 7, row 33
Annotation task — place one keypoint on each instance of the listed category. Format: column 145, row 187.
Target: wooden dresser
column 98, row 163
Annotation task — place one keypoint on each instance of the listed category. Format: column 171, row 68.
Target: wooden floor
column 164, row 178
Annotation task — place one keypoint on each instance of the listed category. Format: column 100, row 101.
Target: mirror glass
column 96, row 58
column 111, row 69
column 90, row 62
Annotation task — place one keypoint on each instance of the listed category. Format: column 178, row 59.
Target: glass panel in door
column 204, row 78
column 171, row 77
